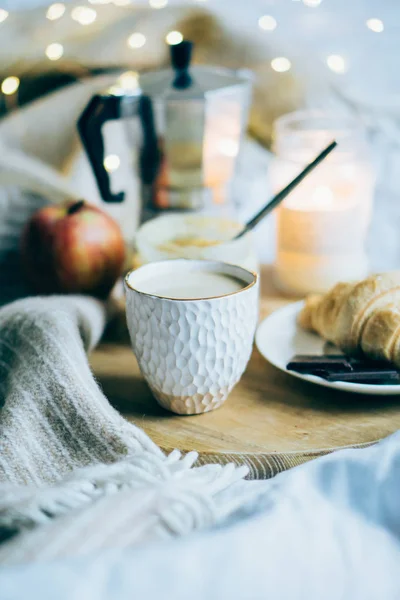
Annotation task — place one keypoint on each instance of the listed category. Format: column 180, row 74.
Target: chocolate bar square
column 342, row 368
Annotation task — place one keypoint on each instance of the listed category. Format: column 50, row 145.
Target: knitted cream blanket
column 74, row 475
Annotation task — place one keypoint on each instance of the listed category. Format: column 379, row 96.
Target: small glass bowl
column 188, row 236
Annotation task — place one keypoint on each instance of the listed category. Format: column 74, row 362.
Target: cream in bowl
column 192, row 326
column 195, row 237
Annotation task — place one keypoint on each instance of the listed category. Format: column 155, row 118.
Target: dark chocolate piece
column 304, row 363
column 341, row 368
column 376, row 377
column 326, row 358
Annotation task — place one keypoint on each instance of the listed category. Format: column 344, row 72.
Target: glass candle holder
column 323, row 224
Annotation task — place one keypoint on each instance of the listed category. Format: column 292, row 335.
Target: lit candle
column 322, row 225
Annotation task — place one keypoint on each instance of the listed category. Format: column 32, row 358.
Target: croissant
column 359, row 318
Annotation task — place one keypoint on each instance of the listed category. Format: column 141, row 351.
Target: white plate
column 279, row 338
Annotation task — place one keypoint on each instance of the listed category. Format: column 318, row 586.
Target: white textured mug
column 191, row 351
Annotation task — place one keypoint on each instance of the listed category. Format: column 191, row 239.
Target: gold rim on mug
column 197, row 260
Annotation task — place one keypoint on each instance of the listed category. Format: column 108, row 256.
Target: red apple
column 72, row 248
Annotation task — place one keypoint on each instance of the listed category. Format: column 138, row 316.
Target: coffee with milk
column 192, row 285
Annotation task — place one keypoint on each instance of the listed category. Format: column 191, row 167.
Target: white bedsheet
column 327, row 530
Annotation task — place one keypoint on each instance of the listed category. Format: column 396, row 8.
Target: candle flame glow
column 323, row 197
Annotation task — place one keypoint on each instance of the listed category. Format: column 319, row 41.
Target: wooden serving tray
column 270, row 422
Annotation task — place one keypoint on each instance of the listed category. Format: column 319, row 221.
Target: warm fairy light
column 10, row 85
column 136, row 40
column 375, row 25
column 281, row 64
column 111, row 163
column 336, row 63
column 54, row 51
column 158, row 3
column 115, row 90
column 3, row 14
column 84, row 15
column 55, row 11
column 174, row 37
column 267, row 23
column 99, row 1
column 312, row 3
column 129, row 80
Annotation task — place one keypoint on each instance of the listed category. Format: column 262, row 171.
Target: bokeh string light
column 129, row 80
column 281, row 64
column 375, row 25
column 267, row 23
column 174, row 37
column 136, row 40
column 158, row 3
column 55, row 11
column 336, row 63
column 54, row 51
column 111, row 163
column 86, row 15
column 10, row 85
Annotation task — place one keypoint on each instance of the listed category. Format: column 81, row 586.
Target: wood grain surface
column 271, row 421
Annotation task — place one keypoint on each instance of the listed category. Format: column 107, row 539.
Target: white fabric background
column 326, row 530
